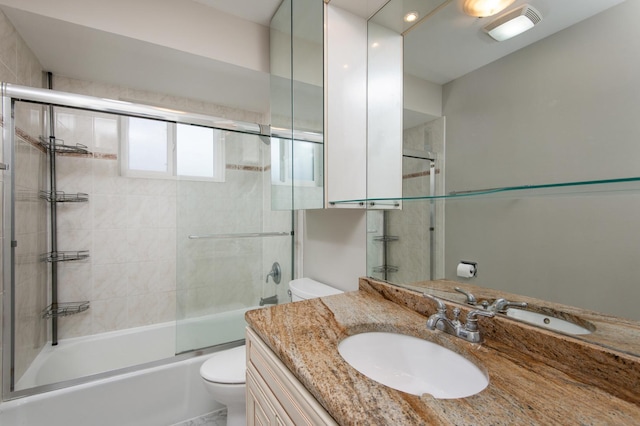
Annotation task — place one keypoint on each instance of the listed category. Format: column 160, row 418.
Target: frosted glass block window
column 157, row 149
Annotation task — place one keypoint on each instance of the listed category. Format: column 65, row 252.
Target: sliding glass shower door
column 163, row 228
column 228, row 242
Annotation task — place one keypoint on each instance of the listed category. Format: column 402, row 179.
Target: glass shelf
column 553, row 189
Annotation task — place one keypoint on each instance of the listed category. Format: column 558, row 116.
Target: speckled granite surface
column 523, row 389
column 612, row 332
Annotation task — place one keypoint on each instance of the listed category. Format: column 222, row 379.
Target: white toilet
column 224, row 377
column 306, row 288
column 224, row 374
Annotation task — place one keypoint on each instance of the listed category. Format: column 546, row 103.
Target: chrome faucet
column 469, row 331
column 499, row 305
column 271, row 300
column 471, row 299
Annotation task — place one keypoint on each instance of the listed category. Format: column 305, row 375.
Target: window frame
column 219, row 160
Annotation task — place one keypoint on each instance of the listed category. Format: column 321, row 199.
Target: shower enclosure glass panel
column 115, row 237
column 227, row 240
column 155, row 261
column 29, row 294
column 297, row 105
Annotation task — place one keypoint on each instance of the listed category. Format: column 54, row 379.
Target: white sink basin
column 413, row 365
column 546, row 321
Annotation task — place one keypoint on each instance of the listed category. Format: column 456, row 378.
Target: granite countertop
column 522, row 390
column 614, row 332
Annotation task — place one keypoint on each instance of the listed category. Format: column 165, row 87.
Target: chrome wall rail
column 52, row 97
column 247, row 235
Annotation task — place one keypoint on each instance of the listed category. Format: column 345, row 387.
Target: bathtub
column 167, row 392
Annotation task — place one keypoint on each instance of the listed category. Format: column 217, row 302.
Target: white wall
column 563, row 109
column 200, row 30
column 422, row 95
column 335, row 247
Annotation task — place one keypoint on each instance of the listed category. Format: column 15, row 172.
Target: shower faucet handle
column 275, row 273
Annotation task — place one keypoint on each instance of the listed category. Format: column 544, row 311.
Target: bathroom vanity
column 274, row 395
column 296, row 376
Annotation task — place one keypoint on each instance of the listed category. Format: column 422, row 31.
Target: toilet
column 306, row 288
column 224, row 378
column 224, row 373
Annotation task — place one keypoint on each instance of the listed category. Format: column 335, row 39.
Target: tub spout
column 271, row 300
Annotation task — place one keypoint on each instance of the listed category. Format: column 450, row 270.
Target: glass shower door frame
column 12, row 93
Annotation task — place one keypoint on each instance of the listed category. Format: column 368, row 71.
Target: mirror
column 297, row 105
column 384, row 114
column 554, row 105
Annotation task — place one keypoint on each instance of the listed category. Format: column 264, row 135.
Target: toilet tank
column 306, row 288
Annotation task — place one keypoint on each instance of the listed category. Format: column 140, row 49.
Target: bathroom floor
column 217, row 418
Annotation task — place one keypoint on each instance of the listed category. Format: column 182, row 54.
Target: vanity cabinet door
column 274, row 394
column 256, row 414
column 260, row 410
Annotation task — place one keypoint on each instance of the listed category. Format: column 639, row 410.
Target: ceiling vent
column 513, row 23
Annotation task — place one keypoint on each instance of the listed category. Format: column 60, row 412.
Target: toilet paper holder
column 467, row 269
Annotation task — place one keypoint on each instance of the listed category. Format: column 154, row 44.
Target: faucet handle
column 442, row 308
column 471, row 299
column 501, row 305
column 275, row 273
column 456, row 316
column 472, row 319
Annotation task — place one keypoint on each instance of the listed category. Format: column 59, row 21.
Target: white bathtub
column 160, row 395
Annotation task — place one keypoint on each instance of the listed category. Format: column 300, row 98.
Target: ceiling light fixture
column 513, row 23
column 482, row 8
column 411, row 17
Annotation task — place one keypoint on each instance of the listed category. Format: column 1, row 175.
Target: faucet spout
column 468, row 331
column 501, row 305
column 441, row 323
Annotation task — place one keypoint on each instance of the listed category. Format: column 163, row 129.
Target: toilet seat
column 227, row 367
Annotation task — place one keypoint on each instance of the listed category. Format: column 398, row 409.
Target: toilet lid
column 306, row 288
column 228, row 366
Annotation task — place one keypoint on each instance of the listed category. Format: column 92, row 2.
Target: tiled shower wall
column 136, row 228
column 412, row 226
column 18, row 65
column 128, row 226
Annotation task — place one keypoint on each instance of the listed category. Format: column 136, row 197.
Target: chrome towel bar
column 247, row 235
